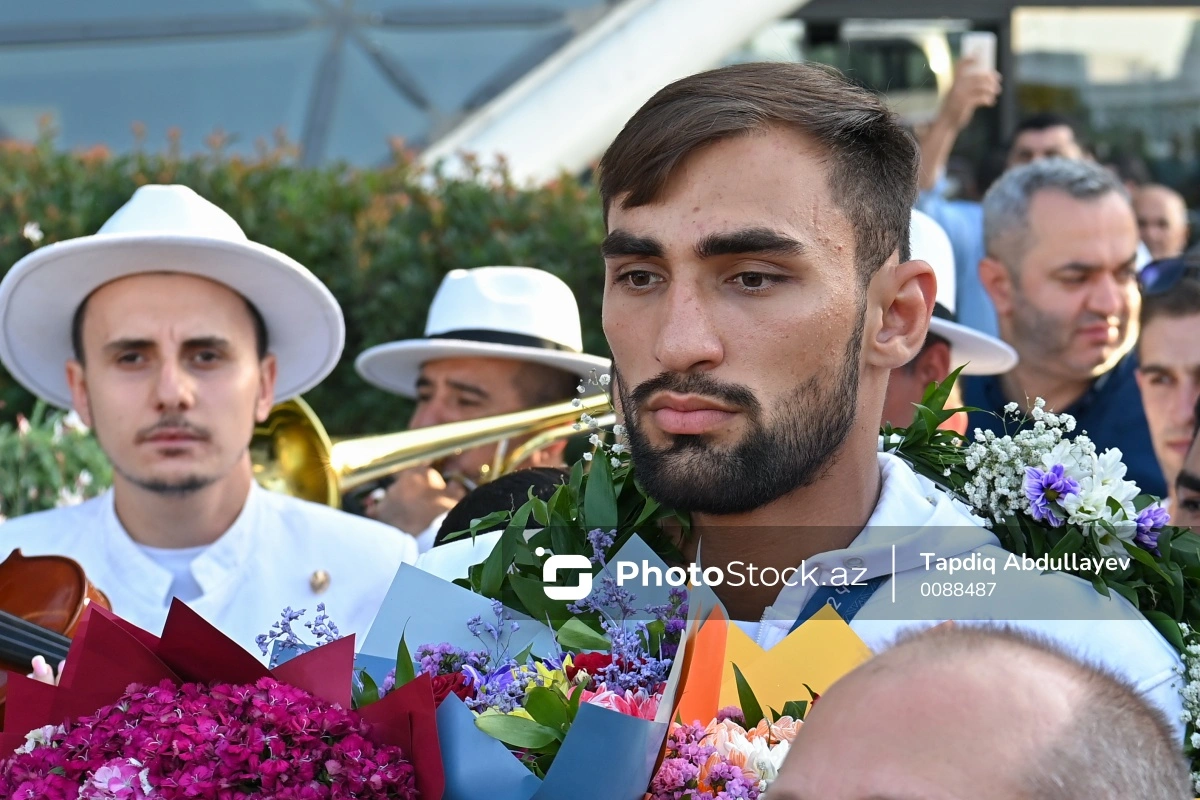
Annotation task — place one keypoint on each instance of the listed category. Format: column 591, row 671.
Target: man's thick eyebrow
column 128, row 344
column 1188, row 480
column 147, row 344
column 1079, row 266
column 748, row 241
column 623, row 243
column 468, row 388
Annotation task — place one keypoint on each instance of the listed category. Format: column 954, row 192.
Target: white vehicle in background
column 908, row 61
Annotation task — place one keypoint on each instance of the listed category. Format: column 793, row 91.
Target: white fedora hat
column 517, row 313
column 164, row 229
column 982, row 354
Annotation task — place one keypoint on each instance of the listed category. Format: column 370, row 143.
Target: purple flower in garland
column 1150, row 523
column 1045, row 489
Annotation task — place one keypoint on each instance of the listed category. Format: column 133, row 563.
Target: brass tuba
column 292, row 453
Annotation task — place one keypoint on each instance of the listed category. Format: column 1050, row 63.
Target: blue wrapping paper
column 430, row 610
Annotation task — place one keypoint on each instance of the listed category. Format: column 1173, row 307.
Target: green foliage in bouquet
column 46, row 462
column 604, row 497
column 1162, row 579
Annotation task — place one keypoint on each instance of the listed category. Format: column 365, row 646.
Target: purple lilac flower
column 322, row 627
column 1045, row 489
column 498, row 689
column 282, row 630
column 1150, row 523
column 732, row 783
column 600, row 542
column 606, row 598
column 445, row 658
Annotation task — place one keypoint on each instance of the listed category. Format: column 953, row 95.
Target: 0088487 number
column 949, row 589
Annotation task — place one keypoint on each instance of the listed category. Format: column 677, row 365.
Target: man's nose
column 429, row 413
column 175, row 389
column 687, row 339
column 1108, row 297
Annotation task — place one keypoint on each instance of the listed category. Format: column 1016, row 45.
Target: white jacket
column 262, row 564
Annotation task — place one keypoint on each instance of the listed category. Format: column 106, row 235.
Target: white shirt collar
column 223, row 561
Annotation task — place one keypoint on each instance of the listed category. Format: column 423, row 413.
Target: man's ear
column 997, row 280
column 548, row 456
column 268, row 371
column 906, row 295
column 77, row 383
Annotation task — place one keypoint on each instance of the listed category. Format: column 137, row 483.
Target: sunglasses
column 1165, row 274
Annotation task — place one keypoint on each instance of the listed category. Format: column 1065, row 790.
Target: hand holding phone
column 980, row 47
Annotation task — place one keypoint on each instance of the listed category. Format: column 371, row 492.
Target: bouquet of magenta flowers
column 264, row 739
column 192, row 714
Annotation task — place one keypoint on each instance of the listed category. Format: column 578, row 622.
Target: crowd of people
column 771, row 297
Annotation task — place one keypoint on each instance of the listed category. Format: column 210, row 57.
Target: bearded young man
column 758, row 293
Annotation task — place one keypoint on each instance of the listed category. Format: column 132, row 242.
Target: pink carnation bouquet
column 193, row 715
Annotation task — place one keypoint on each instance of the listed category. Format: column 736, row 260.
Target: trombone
column 292, row 453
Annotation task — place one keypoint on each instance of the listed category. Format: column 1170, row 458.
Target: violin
column 42, row 600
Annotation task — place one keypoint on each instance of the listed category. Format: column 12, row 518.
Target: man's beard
column 1052, row 335
column 791, row 450
column 177, row 487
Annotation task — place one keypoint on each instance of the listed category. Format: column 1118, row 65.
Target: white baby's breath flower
column 33, row 232
column 619, row 430
column 587, row 456
column 595, row 440
column 616, row 462
column 577, row 402
column 605, row 379
column 1011, row 408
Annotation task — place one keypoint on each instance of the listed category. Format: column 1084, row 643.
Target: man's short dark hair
column 506, row 493
column 872, row 159
column 1046, row 120
column 260, row 330
column 1183, row 300
column 541, row 385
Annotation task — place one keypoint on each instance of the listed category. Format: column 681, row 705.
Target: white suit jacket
column 262, row 564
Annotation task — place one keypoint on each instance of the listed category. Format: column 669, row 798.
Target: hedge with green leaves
column 380, row 239
column 46, row 461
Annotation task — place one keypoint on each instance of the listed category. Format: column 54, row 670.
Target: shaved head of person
column 985, row 713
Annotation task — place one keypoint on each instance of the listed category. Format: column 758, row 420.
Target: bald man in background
column 985, row 713
column 1162, row 220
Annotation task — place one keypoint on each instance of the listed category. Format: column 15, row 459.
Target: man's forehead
column 703, row 201
column 478, row 369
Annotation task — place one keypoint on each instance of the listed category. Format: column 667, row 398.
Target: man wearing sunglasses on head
column 1169, row 359
column 1061, row 268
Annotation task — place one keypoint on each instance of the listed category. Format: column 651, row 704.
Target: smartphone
column 981, row 46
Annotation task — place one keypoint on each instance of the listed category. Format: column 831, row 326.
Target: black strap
column 503, row 337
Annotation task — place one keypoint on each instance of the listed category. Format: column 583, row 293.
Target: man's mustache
column 696, row 383
column 173, row 422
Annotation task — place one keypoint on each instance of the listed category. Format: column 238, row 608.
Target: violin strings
column 31, row 637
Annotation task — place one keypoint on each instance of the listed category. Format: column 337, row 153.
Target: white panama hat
column 982, row 354
column 164, row 229
column 516, row 313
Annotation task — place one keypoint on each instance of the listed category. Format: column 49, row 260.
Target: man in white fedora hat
column 497, row 340
column 948, row 345
column 171, row 334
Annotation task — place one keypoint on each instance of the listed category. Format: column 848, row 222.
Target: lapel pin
column 319, row 581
